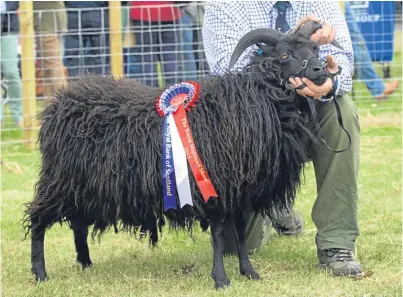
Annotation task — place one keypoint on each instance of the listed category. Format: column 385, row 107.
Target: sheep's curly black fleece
column 101, row 146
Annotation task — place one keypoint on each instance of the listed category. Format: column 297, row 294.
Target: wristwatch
column 332, row 94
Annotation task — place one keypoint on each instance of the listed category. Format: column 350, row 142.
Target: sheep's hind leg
column 218, row 273
column 152, row 229
column 37, row 252
column 81, row 243
column 150, row 226
column 245, row 266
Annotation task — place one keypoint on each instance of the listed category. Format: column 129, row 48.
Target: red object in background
column 154, row 11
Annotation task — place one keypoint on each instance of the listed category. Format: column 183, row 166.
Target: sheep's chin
column 320, row 80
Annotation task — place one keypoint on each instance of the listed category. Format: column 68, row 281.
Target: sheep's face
column 296, row 54
column 298, row 58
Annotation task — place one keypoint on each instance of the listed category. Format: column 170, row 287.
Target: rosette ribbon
column 178, row 147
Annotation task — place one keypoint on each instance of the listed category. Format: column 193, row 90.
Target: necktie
column 281, row 21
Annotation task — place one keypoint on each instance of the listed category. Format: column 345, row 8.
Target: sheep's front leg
column 245, row 266
column 218, row 273
column 37, row 252
column 81, row 243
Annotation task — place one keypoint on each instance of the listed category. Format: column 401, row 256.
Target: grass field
column 179, row 266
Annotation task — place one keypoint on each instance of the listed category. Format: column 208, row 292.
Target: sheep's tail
column 40, row 213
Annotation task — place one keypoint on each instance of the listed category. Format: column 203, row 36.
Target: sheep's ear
column 268, row 51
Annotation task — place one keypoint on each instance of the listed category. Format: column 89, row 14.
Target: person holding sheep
column 335, row 210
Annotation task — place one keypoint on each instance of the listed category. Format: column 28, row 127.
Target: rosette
column 179, row 147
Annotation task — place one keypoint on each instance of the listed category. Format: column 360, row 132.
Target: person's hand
column 305, row 19
column 310, row 88
column 331, row 64
column 326, row 35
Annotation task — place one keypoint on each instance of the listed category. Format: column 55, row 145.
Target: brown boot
column 390, row 87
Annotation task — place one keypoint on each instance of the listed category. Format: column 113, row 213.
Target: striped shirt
column 225, row 22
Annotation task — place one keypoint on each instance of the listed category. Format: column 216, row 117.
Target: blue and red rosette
column 179, row 147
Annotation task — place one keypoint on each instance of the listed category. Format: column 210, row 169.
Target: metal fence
column 376, row 31
column 71, row 41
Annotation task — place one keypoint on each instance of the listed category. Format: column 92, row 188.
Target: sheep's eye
column 284, row 56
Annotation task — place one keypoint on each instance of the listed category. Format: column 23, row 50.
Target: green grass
column 364, row 100
column 181, row 267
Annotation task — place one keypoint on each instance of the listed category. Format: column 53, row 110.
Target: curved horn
column 309, row 28
column 264, row 35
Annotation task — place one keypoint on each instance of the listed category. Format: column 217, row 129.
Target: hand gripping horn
column 309, row 28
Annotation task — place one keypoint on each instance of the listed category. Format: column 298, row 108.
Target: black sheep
column 101, row 146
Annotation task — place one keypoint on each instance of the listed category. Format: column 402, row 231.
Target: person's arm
column 224, row 25
column 330, row 11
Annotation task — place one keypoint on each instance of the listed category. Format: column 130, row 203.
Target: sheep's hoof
column 251, row 274
column 40, row 276
column 85, row 264
column 221, row 284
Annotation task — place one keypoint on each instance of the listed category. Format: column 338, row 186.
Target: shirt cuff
column 335, row 91
column 337, row 85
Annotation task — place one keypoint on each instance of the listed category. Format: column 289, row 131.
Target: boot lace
column 341, row 255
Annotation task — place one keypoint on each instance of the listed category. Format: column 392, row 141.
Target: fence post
column 341, row 4
column 115, row 38
column 28, row 73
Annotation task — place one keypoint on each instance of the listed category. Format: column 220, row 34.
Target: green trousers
column 335, row 210
column 10, row 72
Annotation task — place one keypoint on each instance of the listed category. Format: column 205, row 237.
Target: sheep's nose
column 318, row 68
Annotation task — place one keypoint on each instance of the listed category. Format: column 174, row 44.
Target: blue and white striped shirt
column 225, row 22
